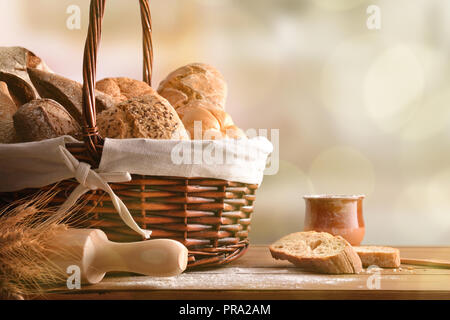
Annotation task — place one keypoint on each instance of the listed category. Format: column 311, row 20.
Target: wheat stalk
column 27, row 230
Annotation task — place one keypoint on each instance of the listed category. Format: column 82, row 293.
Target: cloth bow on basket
column 89, row 179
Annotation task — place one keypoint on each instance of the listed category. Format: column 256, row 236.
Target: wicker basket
column 210, row 217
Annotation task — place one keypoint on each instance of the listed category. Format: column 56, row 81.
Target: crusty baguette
column 318, row 252
column 383, row 257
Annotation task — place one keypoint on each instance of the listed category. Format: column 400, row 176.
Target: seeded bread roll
column 7, row 110
column 318, row 252
column 122, row 89
column 44, row 119
column 215, row 123
column 149, row 116
column 196, row 81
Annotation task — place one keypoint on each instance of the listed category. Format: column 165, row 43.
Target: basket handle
column 92, row 138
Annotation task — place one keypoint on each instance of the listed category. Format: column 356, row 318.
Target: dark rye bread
column 7, row 105
column 66, row 92
column 7, row 110
column 317, row 252
column 19, row 90
column 44, row 119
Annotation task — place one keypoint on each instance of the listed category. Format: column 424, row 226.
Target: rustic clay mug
column 335, row 214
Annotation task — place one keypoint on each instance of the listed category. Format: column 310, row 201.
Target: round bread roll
column 215, row 123
column 122, row 89
column 149, row 116
column 196, row 81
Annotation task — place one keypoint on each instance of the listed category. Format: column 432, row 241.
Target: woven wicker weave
column 210, row 216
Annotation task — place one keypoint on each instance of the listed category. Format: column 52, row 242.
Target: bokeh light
column 429, row 118
column 393, row 86
column 438, row 193
column 342, row 170
column 338, row 5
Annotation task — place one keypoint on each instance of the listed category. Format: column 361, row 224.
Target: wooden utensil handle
column 160, row 257
column 426, row 262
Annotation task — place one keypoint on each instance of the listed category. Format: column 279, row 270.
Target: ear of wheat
column 26, row 231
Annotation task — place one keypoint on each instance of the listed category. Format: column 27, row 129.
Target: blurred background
column 359, row 110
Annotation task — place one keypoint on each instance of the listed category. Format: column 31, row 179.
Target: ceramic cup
column 336, row 214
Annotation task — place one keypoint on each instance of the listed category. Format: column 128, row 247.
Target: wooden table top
column 257, row 275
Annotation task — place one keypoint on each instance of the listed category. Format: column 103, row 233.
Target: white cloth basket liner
column 37, row 164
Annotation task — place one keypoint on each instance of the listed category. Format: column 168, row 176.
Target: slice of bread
column 318, row 252
column 383, row 257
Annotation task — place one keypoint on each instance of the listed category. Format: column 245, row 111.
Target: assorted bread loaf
column 42, row 119
column 324, row 253
column 37, row 104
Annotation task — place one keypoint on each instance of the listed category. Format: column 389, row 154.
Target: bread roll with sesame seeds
column 149, row 116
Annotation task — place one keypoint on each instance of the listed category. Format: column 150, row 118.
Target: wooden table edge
column 250, row 295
